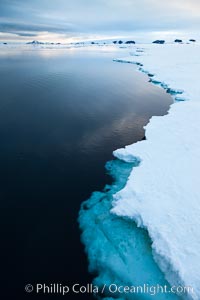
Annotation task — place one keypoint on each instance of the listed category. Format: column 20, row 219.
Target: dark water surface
column 62, row 113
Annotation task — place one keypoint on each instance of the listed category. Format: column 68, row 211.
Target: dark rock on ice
column 130, row 42
column 158, row 42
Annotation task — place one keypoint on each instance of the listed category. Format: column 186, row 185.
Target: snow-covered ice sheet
column 162, row 194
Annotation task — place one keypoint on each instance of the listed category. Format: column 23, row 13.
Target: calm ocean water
column 62, row 113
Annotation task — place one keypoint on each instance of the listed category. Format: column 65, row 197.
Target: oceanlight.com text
column 112, row 289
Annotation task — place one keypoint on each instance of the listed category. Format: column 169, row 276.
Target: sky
column 74, row 20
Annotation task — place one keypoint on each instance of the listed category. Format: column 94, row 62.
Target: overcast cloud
column 21, row 19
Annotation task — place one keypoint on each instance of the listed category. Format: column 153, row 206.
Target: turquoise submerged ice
column 118, row 251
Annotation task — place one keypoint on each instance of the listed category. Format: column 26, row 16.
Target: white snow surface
column 163, row 193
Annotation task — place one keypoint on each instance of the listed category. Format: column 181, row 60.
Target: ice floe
column 162, row 194
column 119, row 252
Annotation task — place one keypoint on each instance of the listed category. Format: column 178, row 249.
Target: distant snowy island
column 42, row 43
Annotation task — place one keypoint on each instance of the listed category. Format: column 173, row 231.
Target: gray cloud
column 25, row 34
column 10, row 26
